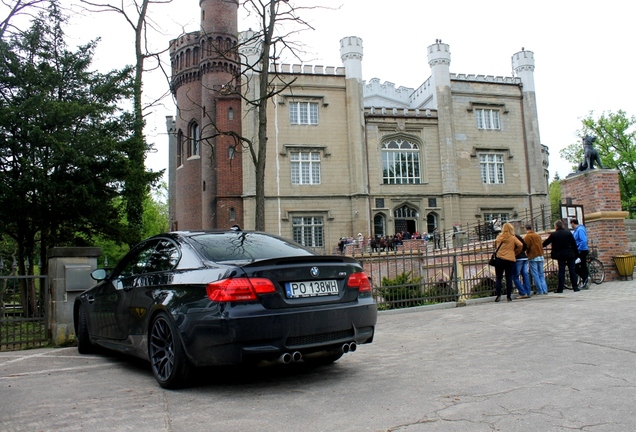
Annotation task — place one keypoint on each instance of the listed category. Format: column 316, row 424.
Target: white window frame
column 491, row 167
column 309, row 231
column 503, row 217
column 305, row 167
column 194, row 138
column 401, row 162
column 487, row 119
column 303, row 113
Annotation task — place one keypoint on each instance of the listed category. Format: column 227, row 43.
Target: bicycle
column 595, row 268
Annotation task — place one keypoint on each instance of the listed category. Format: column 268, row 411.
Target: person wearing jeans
column 535, row 259
column 580, row 236
column 521, row 269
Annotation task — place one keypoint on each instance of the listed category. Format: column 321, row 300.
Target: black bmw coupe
column 190, row 299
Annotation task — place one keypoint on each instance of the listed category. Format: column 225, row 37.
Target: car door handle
column 90, row 299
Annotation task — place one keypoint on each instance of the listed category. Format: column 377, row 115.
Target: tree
column 616, row 144
column 63, row 142
column 136, row 188
column 16, row 8
column 155, row 221
column 555, row 198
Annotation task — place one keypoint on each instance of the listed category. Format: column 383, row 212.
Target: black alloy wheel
column 84, row 345
column 167, row 358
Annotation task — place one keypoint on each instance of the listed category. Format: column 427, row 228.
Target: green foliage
column 155, row 221
column 407, row 291
column 63, row 142
column 555, row 199
column 616, row 144
column 402, row 291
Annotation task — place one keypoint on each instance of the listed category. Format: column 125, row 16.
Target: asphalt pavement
column 559, row 362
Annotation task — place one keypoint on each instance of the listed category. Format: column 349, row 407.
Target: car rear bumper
column 251, row 333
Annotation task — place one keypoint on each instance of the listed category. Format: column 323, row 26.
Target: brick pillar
column 598, row 192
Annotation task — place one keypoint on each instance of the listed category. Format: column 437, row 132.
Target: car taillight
column 360, row 281
column 239, row 289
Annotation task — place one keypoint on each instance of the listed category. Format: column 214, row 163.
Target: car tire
column 167, row 356
column 323, row 360
column 84, row 345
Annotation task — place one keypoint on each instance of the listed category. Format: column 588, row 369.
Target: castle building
column 348, row 156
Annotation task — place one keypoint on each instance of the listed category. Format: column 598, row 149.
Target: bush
column 401, row 292
column 407, row 291
column 485, row 288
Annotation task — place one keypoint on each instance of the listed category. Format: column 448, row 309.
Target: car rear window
column 245, row 246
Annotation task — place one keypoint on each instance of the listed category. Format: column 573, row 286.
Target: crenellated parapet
column 399, row 112
column 486, row 78
column 298, row 69
column 387, row 90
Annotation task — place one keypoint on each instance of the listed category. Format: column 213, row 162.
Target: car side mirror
column 99, row 274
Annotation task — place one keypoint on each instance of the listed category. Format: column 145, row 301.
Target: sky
column 583, row 50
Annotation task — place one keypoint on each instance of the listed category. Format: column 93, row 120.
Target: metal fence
column 23, row 312
column 417, row 274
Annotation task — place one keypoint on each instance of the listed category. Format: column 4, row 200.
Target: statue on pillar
column 590, row 155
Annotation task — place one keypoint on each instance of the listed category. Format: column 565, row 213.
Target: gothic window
column 230, row 114
column 405, row 212
column 379, row 225
column 492, row 168
column 308, row 231
column 195, row 140
column 305, row 167
column 303, row 113
column 487, row 118
column 400, row 162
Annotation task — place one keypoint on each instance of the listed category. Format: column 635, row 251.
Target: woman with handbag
column 508, row 246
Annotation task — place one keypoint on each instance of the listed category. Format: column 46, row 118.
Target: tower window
column 195, row 140
column 492, row 168
column 305, row 168
column 487, row 118
column 303, row 113
column 230, row 114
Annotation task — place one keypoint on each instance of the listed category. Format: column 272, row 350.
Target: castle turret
column 250, row 51
column 351, row 55
column 523, row 67
column 439, row 60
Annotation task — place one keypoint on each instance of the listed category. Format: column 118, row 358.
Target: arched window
column 179, row 148
column 232, row 214
column 400, row 162
column 230, row 114
column 195, row 139
column 431, row 222
column 379, row 225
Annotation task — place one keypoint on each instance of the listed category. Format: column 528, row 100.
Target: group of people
column 517, row 257
column 389, row 243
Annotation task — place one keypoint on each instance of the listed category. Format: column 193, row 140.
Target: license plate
column 311, row 288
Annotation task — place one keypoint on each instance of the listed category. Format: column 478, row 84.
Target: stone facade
column 375, row 159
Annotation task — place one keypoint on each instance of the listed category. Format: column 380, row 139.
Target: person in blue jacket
column 580, row 236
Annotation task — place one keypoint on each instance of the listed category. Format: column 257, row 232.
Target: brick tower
column 206, row 167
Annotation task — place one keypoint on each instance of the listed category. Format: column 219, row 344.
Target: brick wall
column 598, row 192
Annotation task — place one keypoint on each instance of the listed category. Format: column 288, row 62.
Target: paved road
column 559, row 362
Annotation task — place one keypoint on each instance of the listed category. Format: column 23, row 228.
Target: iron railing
column 416, row 274
column 23, row 312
